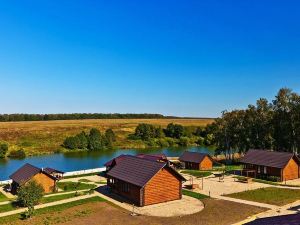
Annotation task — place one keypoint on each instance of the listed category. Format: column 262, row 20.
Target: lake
column 84, row 160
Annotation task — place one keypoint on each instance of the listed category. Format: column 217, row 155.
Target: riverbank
column 73, row 161
column 46, row 137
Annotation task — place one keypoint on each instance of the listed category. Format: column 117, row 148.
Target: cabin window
column 258, row 169
column 265, row 170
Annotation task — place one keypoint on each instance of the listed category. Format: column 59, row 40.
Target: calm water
column 83, row 160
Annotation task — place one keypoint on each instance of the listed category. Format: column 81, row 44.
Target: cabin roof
column 154, row 157
column 26, row 172
column 292, row 219
column 117, row 160
column 268, row 158
column 51, row 170
column 195, row 157
column 138, row 171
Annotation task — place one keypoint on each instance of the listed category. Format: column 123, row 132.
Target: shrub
column 95, row 140
column 3, row 150
column 82, row 140
column 163, row 142
column 184, row 141
column 174, row 130
column 18, row 154
column 200, row 141
column 71, row 142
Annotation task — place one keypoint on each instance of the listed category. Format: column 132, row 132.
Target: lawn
column 197, row 173
column 82, row 175
column 270, row 195
column 53, row 209
column 12, row 206
column 3, row 198
column 75, row 186
column 45, row 137
column 194, row 194
column 85, row 180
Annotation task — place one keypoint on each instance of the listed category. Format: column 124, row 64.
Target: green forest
column 266, row 125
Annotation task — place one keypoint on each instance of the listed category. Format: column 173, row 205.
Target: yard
column 269, row 195
column 93, row 212
column 3, row 198
column 75, row 186
column 197, row 173
column 13, row 206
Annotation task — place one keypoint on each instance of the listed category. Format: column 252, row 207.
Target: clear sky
column 184, row 58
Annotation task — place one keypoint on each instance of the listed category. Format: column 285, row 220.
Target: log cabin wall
column 47, row 182
column 163, row 187
column 291, row 171
column 206, row 164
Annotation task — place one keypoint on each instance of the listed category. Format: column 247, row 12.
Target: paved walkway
column 17, row 211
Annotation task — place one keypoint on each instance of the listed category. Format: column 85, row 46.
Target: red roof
column 138, row 171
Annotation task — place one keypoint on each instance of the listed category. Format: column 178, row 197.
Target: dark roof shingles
column 267, row 158
column 136, row 170
column 25, row 173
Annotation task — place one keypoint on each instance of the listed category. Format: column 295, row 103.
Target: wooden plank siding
column 163, row 187
column 45, row 181
column 206, row 164
column 291, row 171
column 129, row 191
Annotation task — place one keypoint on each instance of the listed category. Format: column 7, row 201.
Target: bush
column 163, row 142
column 3, row 150
column 174, row 130
column 17, row 154
column 200, row 141
column 71, row 142
column 184, row 141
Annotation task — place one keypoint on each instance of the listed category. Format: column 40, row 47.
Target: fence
column 67, row 174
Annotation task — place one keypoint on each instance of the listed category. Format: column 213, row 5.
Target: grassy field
column 49, row 210
column 3, row 198
column 270, row 195
column 73, row 186
column 44, row 137
column 194, row 194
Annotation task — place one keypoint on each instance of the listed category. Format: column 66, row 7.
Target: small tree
column 95, row 139
column 29, row 195
column 3, row 150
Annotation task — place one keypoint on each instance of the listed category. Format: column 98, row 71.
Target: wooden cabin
column 265, row 164
column 196, row 161
column 28, row 173
column 145, row 182
column 54, row 172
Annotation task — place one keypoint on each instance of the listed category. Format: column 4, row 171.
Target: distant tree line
column 92, row 141
column 266, row 125
column 172, row 135
column 77, row 116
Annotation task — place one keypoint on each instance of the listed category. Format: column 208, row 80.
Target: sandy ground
column 292, row 182
column 213, row 186
column 186, row 206
column 93, row 178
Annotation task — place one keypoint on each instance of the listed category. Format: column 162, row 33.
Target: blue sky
column 184, row 58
